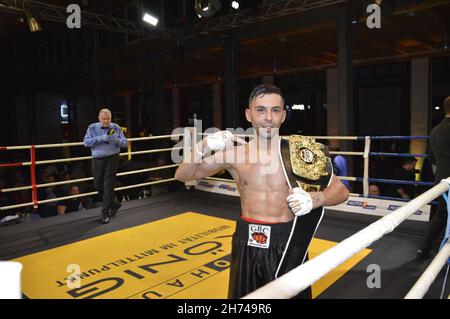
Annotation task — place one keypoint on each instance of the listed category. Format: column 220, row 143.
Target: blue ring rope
column 397, row 154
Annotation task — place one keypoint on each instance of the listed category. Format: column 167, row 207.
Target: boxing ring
column 303, row 276
column 358, row 202
column 33, row 163
column 228, row 207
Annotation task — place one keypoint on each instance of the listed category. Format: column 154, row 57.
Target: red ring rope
column 33, row 176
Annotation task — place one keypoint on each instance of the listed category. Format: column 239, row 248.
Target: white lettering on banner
column 379, row 207
column 367, row 206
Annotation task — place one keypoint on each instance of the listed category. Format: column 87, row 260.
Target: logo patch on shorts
column 258, row 236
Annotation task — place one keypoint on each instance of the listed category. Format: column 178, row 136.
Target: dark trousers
column 436, row 226
column 104, row 171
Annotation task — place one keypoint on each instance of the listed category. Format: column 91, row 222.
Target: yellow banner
column 185, row 256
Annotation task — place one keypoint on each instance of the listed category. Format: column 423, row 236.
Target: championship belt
column 306, row 164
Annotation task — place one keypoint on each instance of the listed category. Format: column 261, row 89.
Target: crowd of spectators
column 20, row 176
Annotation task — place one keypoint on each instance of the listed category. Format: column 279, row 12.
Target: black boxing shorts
column 257, row 252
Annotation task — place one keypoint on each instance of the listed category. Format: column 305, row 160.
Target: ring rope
column 40, row 146
column 81, row 180
column 45, row 201
column 34, row 196
column 424, row 282
column 298, row 279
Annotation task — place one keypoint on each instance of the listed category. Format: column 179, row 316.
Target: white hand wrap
column 300, row 202
column 219, row 140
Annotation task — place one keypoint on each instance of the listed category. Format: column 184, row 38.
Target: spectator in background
column 43, row 176
column 406, row 172
column 79, row 171
column 17, row 177
column 19, row 197
column 41, row 191
column 71, row 205
column 374, row 190
column 340, row 167
column 382, row 168
column 4, row 199
column 11, row 179
column 440, row 157
column 65, row 189
column 51, row 192
column 52, row 170
column 160, row 188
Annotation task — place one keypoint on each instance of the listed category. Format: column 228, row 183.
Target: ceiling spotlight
column 207, row 8
column 33, row 22
column 150, row 19
column 445, row 42
column 235, row 5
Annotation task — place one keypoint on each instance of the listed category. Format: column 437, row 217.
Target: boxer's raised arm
column 220, row 142
column 191, row 171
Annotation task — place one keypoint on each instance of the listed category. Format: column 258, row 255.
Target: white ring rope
column 348, row 138
column 135, row 139
column 298, row 279
column 84, row 158
column 57, row 199
column 366, row 166
column 422, row 285
column 93, row 193
column 87, row 179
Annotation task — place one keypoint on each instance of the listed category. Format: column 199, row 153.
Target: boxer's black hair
column 263, row 89
column 447, row 105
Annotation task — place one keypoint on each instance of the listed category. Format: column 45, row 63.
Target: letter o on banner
column 192, row 251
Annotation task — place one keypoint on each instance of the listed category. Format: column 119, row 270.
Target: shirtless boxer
column 268, row 204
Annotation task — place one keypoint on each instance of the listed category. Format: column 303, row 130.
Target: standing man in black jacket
column 439, row 156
